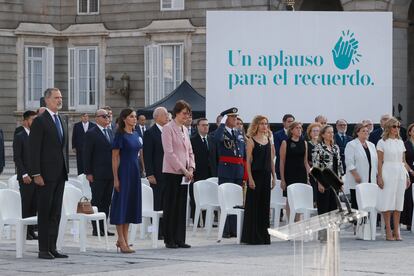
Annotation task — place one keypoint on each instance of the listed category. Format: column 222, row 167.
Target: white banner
column 338, row 64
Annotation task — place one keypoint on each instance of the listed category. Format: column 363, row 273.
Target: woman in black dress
column 294, row 165
column 407, row 213
column 261, row 173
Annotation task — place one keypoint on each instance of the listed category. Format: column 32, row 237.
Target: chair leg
column 105, row 233
column 372, row 215
column 155, row 226
column 143, row 228
column 133, row 233
column 98, row 229
column 19, row 239
column 276, row 217
column 292, row 216
column 382, row 225
column 82, row 234
column 61, row 234
column 187, row 209
column 209, row 220
column 240, row 218
column 223, row 217
column 196, row 218
column 1, row 231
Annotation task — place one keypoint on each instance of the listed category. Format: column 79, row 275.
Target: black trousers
column 158, row 196
column 79, row 161
column 49, row 207
column 29, row 204
column 326, row 201
column 354, row 203
column 230, row 227
column 175, row 201
column 101, row 198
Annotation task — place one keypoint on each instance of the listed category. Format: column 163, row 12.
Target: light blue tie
column 59, row 127
column 107, row 135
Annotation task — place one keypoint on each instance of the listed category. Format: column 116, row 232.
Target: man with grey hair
column 153, row 158
column 49, row 169
column 97, row 153
column 369, row 124
column 375, row 136
column 322, row 120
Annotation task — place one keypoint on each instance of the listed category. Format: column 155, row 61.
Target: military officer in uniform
column 231, row 149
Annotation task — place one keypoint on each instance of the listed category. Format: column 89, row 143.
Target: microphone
column 337, row 184
column 324, row 179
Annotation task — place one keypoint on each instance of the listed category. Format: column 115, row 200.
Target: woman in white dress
column 392, row 177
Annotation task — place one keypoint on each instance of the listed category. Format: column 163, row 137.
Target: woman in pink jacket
column 178, row 166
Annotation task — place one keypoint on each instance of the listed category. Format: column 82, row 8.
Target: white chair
column 75, row 182
column 366, row 195
column 213, row 179
column 71, row 198
column 145, row 181
column 206, row 198
column 230, row 195
column 300, row 197
column 11, row 214
column 13, row 183
column 3, row 185
column 147, row 214
column 277, row 203
column 86, row 187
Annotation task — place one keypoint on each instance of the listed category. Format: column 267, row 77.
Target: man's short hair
column 287, row 116
column 48, row 91
column 201, row 119
column 107, row 108
column 29, row 113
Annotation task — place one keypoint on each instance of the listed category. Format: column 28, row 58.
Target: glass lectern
column 316, row 248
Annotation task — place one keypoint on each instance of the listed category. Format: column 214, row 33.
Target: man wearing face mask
column 231, row 149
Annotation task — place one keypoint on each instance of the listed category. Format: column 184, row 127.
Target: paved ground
column 207, row 257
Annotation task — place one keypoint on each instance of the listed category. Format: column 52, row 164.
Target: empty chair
column 206, row 198
column 71, row 198
column 75, row 182
column 213, row 179
column 148, row 213
column 229, row 196
column 366, row 195
column 13, row 183
column 300, row 201
column 277, row 203
column 86, row 187
column 145, row 181
column 11, row 214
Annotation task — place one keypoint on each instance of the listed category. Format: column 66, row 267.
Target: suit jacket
column 278, row 137
column 48, row 155
column 375, row 135
column 153, row 152
column 97, row 154
column 2, row 156
column 18, row 130
column 205, row 158
column 342, row 144
column 178, row 153
column 78, row 135
column 138, row 129
column 21, row 154
column 356, row 158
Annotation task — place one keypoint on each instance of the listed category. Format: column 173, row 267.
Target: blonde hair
column 388, row 126
column 310, row 127
column 323, row 130
column 292, row 127
column 254, row 126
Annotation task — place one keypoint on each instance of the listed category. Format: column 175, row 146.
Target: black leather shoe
column 95, row 234
column 183, row 245
column 33, row 234
column 46, row 256
column 226, row 236
column 109, row 234
column 29, row 237
column 171, row 245
column 58, row 255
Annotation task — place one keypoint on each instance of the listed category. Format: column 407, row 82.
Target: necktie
column 205, row 142
column 107, row 135
column 343, row 139
column 142, row 131
column 59, row 127
column 232, row 133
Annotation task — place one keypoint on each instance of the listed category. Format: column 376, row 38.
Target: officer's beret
column 230, row 111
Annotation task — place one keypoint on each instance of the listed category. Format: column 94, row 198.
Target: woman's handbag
column 84, row 206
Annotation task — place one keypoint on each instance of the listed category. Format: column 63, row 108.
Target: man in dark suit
column 341, row 139
column 97, row 157
column 49, row 167
column 78, row 139
column 153, row 158
column 376, row 134
column 21, row 160
column 279, row 137
column 141, row 128
column 205, row 155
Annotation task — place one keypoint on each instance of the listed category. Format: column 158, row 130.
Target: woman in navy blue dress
column 126, row 199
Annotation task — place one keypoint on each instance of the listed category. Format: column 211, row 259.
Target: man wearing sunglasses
column 98, row 165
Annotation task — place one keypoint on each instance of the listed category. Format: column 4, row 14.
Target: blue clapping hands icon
column 345, row 51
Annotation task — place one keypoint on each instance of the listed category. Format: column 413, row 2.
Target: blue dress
column 126, row 204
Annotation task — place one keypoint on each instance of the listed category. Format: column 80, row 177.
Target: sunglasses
column 395, row 126
column 103, row 116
